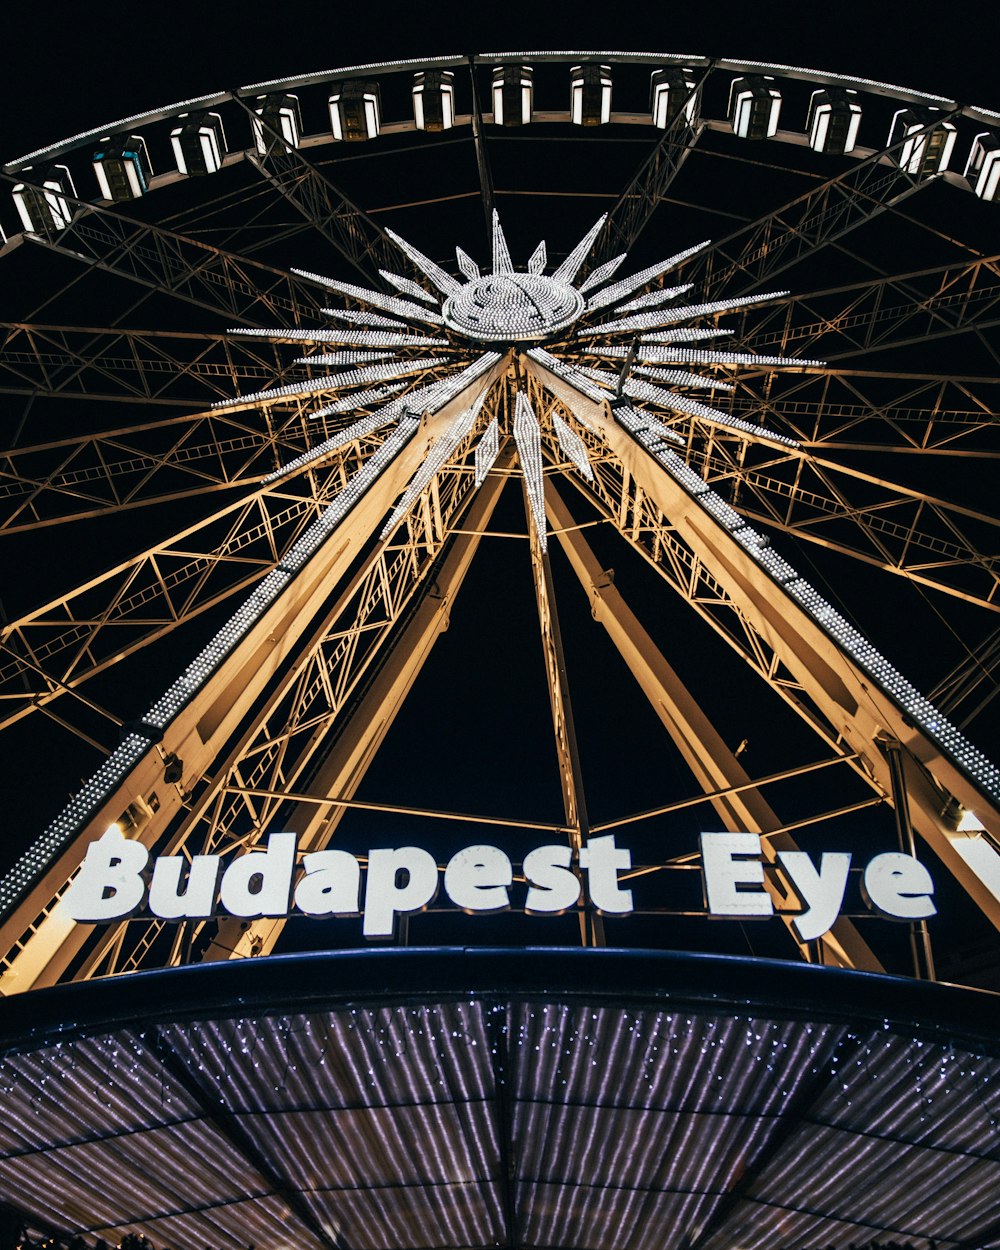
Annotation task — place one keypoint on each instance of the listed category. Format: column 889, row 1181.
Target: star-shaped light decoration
column 631, row 340
column 631, row 344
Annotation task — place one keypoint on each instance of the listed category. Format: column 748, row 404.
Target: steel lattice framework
column 289, row 474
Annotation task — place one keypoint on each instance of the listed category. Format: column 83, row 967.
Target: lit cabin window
column 513, row 95
column 356, row 111
column 754, row 107
column 925, row 143
column 983, row 168
column 277, row 113
column 199, row 143
column 590, row 95
column 122, row 167
column 41, row 199
column 434, row 100
column 833, row 121
column 671, row 93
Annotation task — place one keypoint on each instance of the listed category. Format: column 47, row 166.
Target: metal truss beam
column 854, row 410
column 928, row 540
column 352, row 232
column 357, row 728
column 482, row 158
column 363, row 725
column 846, row 321
column 60, row 645
column 756, row 253
column 125, row 366
column 140, row 465
column 39, row 941
column 240, row 289
column 640, row 199
column 741, row 807
column 972, row 677
column 703, row 561
column 563, row 727
column 72, row 479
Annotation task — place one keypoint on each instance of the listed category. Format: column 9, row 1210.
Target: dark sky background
column 76, row 67
column 70, row 67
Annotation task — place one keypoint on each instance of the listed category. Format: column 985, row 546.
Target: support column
column 714, row 766
column 570, row 772
column 358, row 741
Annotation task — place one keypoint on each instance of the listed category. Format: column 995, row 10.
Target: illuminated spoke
column 529, row 449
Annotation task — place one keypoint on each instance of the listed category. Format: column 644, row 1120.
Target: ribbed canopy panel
column 608, row 1117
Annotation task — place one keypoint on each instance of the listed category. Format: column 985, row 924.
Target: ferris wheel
column 285, row 362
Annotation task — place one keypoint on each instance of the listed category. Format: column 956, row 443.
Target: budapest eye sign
column 119, row 879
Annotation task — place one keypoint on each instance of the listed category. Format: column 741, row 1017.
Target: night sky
column 482, row 714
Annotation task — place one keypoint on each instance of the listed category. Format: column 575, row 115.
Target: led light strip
column 362, row 338
column 487, row 450
column 619, row 290
column 387, row 303
column 652, row 298
column 686, row 312
column 366, row 425
column 357, row 400
column 433, row 463
column 502, row 262
column 677, row 377
column 467, row 265
column 687, row 355
column 569, row 373
column 573, row 446
column 528, row 438
column 343, row 358
column 602, row 273
column 364, row 318
column 408, row 287
column 538, row 259
column 678, row 335
column 334, row 382
column 570, row 267
column 444, row 282
column 635, row 388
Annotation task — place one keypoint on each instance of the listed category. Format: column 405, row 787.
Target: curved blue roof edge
column 326, row 980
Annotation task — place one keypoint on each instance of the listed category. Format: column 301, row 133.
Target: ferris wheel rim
column 445, row 61
column 723, row 467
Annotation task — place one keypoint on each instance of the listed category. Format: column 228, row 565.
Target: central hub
column 510, row 307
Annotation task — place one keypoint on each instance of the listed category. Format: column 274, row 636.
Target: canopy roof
column 594, row 1099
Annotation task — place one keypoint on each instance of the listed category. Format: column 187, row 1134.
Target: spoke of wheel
column 119, row 366
column 243, row 290
column 868, row 316
column 711, row 567
column 355, row 236
column 736, row 800
column 89, row 627
column 756, row 253
column 289, row 741
column 638, row 202
column 563, row 727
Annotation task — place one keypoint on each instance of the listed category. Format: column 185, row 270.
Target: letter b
column 109, row 884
